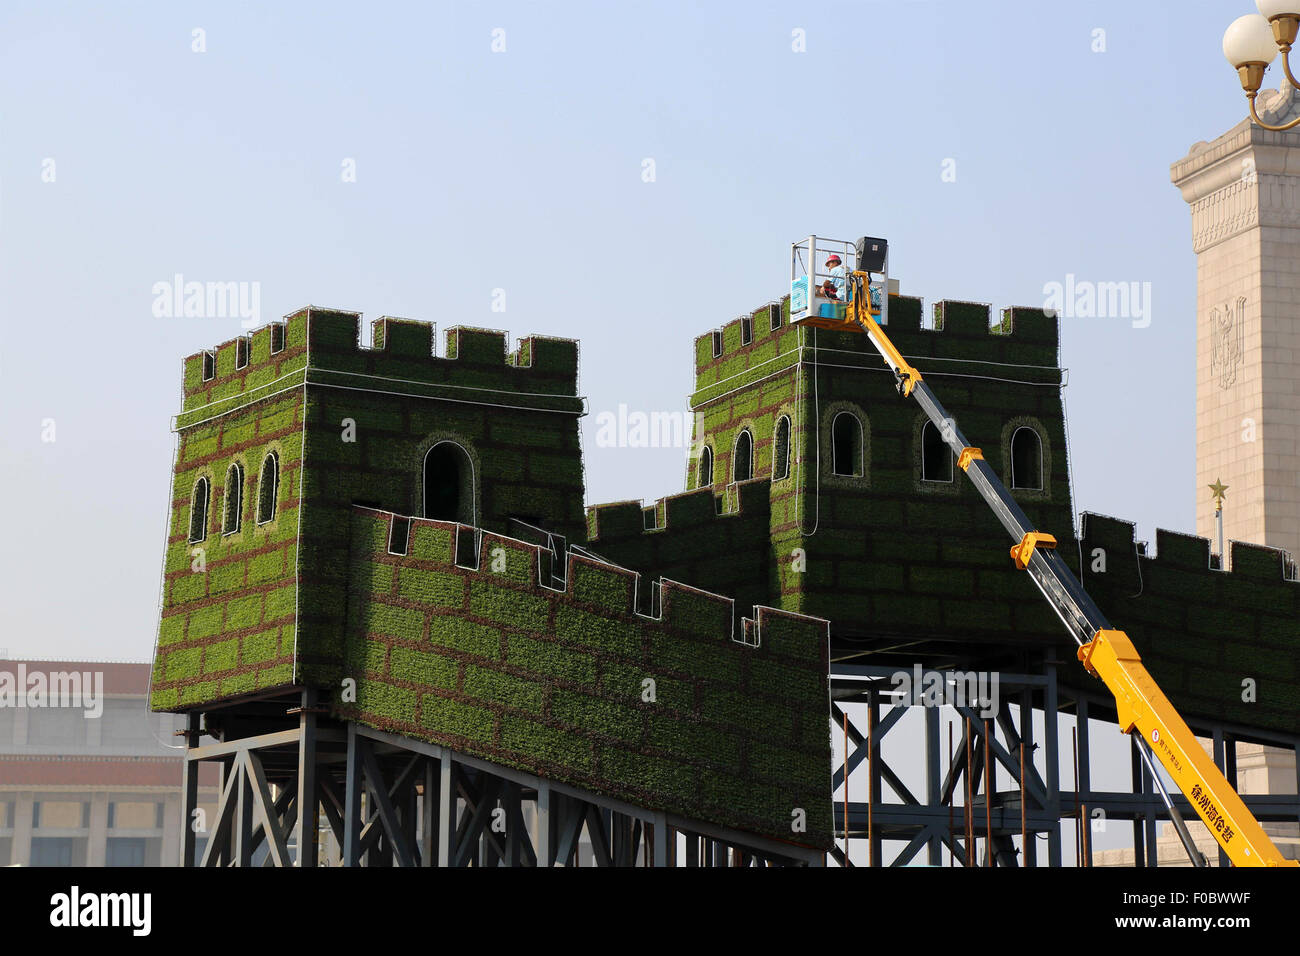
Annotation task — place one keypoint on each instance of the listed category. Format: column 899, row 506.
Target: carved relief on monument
column 1228, row 340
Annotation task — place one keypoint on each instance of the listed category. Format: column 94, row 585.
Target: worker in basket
column 834, row 287
column 837, row 289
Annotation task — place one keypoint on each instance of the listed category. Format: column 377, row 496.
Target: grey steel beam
column 285, row 810
column 1051, row 733
column 1002, row 755
column 189, row 791
column 660, row 840
column 219, row 831
column 1027, row 741
column 446, row 809
column 572, row 816
column 380, row 795
column 913, row 847
column 263, row 807
column 243, row 823
column 283, row 738
column 934, row 848
column 1083, row 799
column 545, row 829
column 352, row 801
column 429, row 813
column 307, row 829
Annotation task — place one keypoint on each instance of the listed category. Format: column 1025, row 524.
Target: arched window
column 199, row 511
column 846, row 445
column 1026, row 459
column 268, row 488
column 233, row 505
column 448, row 483
column 936, row 456
column 742, row 461
column 781, row 449
column 706, row 468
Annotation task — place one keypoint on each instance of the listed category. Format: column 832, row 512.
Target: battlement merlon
column 312, row 339
column 673, row 711
column 1117, row 538
column 1026, row 337
column 589, row 581
column 623, row 519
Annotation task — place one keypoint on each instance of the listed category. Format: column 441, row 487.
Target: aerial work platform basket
column 819, row 287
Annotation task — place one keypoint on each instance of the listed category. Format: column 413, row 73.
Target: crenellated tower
column 835, row 497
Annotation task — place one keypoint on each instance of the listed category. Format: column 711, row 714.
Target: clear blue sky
column 522, row 170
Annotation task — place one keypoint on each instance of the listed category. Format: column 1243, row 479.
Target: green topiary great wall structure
column 304, row 457
column 412, row 527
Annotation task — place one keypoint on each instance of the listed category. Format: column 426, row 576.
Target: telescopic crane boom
column 1105, row 651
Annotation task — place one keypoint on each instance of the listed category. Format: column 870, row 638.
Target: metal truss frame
column 390, row 800
column 1033, row 805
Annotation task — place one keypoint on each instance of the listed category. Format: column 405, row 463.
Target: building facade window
column 781, row 449
column 846, row 445
column 268, row 488
column 233, row 504
column 742, row 460
column 1026, row 459
column 706, row 468
column 199, row 511
column 125, row 851
column 936, row 456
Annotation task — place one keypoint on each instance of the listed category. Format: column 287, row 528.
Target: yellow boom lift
column 1105, row 651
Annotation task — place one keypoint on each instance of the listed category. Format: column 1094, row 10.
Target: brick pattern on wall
column 526, row 462
column 514, row 413
column 554, row 682
column 884, row 553
column 229, row 628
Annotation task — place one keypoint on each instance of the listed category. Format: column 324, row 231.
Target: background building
column 83, row 790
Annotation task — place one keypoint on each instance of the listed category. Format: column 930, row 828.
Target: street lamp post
column 1252, row 42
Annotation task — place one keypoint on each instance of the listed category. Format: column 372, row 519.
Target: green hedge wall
column 1203, row 632
column 553, row 682
column 228, row 620
column 883, row 553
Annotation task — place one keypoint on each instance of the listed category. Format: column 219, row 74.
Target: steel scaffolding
column 988, row 789
column 390, row 800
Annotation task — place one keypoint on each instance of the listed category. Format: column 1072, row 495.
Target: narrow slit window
column 209, row 366
column 936, row 456
column 241, row 353
column 233, row 501
column 268, row 488
column 746, row 330
column 717, row 344
column 846, row 450
column 774, row 315
column 781, row 449
column 742, row 467
column 199, row 511
column 706, row 468
column 277, row 338
column 1026, row 460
